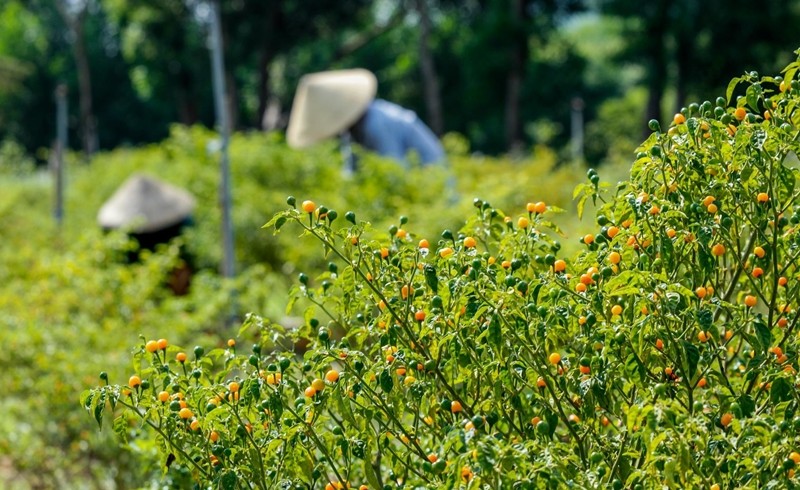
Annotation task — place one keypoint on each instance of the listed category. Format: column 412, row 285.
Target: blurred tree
column 504, row 54
column 36, row 33
column 259, row 32
column 165, row 47
column 519, row 14
column 430, row 80
column 12, row 73
column 740, row 36
column 502, row 72
column 23, row 47
column 74, row 13
column 470, row 60
column 646, row 32
column 390, row 44
column 691, row 52
column 152, row 58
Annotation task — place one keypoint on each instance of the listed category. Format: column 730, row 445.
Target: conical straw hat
column 328, row 102
column 143, row 204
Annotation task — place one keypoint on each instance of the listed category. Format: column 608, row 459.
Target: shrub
column 663, row 353
column 71, row 308
column 13, row 159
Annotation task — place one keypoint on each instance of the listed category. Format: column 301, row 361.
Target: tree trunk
column 187, row 109
column 685, row 39
column 232, row 97
column 430, row 81
column 88, row 121
column 516, row 72
column 655, row 93
column 264, row 59
column 658, row 69
column 276, row 22
column 682, row 60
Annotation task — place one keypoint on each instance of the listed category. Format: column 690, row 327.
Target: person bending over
column 343, row 103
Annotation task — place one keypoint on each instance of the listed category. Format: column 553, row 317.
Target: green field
column 71, row 308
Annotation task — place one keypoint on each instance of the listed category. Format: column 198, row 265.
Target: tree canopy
column 504, row 73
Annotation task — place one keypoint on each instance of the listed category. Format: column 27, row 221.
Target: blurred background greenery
column 506, row 83
column 503, row 73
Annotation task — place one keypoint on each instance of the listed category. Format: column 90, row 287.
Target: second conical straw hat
column 143, row 204
column 326, row 103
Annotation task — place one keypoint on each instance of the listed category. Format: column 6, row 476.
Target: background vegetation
column 504, row 73
column 496, row 78
column 72, row 308
column 660, row 354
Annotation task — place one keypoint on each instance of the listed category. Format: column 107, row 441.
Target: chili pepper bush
column 662, row 354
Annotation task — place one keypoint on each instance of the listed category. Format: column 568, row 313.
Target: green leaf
column 582, row 193
column 495, row 332
column 692, row 124
column 788, row 178
column 431, row 279
column 747, row 404
column 637, row 415
column 343, row 404
column 552, row 421
column 581, row 204
column 372, row 477
column 788, row 73
column 758, row 138
column 634, row 367
column 113, row 398
column 228, row 480
column 685, row 457
column 707, row 261
column 692, row 357
column 98, row 406
column 625, row 283
column 163, row 448
column 632, row 417
column 731, row 87
column 580, row 189
column 534, row 295
column 600, row 394
column 386, row 381
column 250, row 321
column 252, row 390
column 86, row 399
column 282, row 216
column 348, row 280
column 764, row 335
column 552, row 226
column 653, row 444
column 780, row 391
column 293, row 297
column 121, row 427
column 667, row 249
column 754, row 92
column 705, row 318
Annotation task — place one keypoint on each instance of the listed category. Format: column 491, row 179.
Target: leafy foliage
column 72, row 306
column 663, row 353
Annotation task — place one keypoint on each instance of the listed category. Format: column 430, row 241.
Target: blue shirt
column 393, row 131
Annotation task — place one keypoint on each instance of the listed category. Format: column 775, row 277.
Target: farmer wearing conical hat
column 143, row 204
column 152, row 212
column 343, row 103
